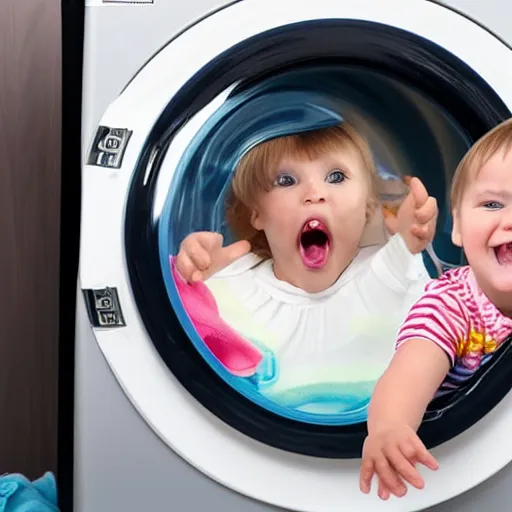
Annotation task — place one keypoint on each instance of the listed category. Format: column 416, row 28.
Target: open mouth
column 314, row 244
column 504, row 253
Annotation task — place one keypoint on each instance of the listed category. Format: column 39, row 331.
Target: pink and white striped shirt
column 455, row 314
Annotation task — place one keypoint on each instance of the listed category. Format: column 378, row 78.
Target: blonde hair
column 495, row 140
column 256, row 174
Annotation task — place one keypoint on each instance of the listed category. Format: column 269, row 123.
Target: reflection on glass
column 305, row 323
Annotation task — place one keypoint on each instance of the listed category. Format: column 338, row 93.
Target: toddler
column 457, row 324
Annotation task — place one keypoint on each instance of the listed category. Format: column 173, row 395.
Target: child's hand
column 416, row 218
column 201, row 255
column 392, row 453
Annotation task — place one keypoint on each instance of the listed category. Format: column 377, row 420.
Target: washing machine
column 162, row 100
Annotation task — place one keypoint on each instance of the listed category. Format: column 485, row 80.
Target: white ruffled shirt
column 344, row 334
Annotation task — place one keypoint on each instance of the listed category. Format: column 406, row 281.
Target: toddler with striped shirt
column 459, row 322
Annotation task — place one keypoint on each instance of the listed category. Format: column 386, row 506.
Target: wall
column 30, row 118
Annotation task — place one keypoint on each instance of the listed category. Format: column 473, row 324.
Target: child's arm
column 428, row 343
column 398, row 404
column 403, row 393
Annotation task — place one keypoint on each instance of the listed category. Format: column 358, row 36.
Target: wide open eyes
column 286, row 179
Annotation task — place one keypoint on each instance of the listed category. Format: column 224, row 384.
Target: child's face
column 483, row 227
column 314, row 217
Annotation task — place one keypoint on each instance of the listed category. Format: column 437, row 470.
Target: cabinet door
column 30, row 119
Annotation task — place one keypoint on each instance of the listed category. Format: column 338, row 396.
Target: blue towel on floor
column 19, row 494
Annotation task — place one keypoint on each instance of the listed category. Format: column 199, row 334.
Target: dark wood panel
column 30, row 119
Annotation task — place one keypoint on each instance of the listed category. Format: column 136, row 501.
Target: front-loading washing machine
column 157, row 407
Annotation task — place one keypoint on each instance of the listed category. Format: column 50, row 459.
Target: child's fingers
column 231, row 253
column 418, row 191
column 383, row 491
column 424, row 456
column 426, row 212
column 404, row 465
column 209, row 240
column 366, row 474
column 420, row 232
column 184, row 265
column 198, row 255
column 389, row 476
column 197, row 276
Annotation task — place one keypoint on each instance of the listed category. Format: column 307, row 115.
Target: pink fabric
column 234, row 352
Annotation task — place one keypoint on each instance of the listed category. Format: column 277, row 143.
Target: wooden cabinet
column 30, row 131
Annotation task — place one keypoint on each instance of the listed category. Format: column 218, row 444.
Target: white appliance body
column 134, row 422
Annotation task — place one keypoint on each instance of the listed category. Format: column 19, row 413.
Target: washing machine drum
column 418, row 102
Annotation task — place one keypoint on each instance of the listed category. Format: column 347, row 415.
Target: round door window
column 283, row 338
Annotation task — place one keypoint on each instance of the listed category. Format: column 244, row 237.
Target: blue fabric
column 19, row 494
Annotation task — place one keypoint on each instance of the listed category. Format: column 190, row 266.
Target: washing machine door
column 422, row 83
